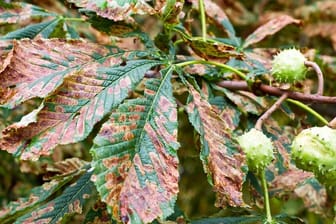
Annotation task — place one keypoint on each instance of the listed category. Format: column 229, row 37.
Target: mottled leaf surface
column 226, row 111
column 98, row 214
column 70, row 201
column 214, row 50
column 20, row 12
column 38, row 195
column 69, row 113
column 34, row 68
column 247, row 101
column 222, row 161
column 135, row 155
column 270, row 28
column 115, row 10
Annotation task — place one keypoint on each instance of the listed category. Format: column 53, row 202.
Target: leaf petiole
column 308, row 109
column 203, row 19
column 239, row 73
column 269, row 219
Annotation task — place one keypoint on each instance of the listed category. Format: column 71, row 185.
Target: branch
column 319, row 76
column 269, row 112
column 312, row 98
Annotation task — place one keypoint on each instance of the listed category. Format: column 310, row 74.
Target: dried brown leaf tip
column 222, row 164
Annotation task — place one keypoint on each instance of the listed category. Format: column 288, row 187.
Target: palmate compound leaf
column 89, row 91
column 70, row 201
column 115, row 10
column 135, row 157
column 222, row 161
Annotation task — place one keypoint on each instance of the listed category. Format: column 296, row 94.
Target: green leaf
column 70, row 201
column 43, row 29
column 37, row 196
column 229, row 220
column 69, row 113
column 135, row 157
column 19, row 12
column 221, row 160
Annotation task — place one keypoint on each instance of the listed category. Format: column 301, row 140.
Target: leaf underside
column 135, row 156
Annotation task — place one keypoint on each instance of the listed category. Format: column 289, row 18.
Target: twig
column 319, row 76
column 268, row 113
column 312, row 98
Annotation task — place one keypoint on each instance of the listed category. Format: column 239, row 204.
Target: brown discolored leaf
column 115, row 10
column 319, row 10
column 66, row 167
column 314, row 196
column 247, row 101
column 299, row 183
column 323, row 29
column 222, row 163
column 88, row 92
column 135, row 156
column 34, row 68
column 289, row 180
column 270, row 28
column 214, row 50
column 20, row 12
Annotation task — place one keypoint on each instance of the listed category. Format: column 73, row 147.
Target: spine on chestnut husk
column 314, row 149
column 258, row 149
column 288, row 66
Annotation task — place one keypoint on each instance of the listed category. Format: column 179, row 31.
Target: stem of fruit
column 319, row 76
column 269, row 112
column 332, row 123
column 203, row 18
column 239, row 73
column 266, row 197
column 308, row 109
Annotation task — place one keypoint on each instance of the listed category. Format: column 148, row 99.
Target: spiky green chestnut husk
column 314, row 149
column 288, row 66
column 258, row 149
